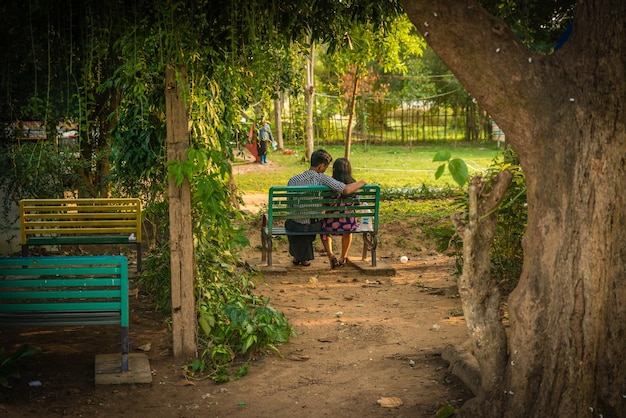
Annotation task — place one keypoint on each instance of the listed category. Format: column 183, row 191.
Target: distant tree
column 363, row 54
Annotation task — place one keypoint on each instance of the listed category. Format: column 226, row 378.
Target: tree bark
column 278, row 119
column 309, row 98
column 181, row 238
column 351, row 111
column 480, row 297
column 563, row 115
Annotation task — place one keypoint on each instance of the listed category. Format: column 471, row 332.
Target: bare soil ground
column 362, row 340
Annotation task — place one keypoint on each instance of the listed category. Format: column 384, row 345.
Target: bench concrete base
column 365, row 267
column 109, row 369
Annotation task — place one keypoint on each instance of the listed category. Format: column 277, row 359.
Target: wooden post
column 181, row 238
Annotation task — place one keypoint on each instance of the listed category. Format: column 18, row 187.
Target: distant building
column 497, row 134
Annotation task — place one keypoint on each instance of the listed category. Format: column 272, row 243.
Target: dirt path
column 360, row 339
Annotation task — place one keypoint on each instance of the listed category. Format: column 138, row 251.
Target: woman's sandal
column 304, row 263
column 336, row 264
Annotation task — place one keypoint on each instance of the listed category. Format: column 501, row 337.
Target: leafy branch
column 456, row 167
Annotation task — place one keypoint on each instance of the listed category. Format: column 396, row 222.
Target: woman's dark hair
column 342, row 171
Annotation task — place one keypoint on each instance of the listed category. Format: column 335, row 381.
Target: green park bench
column 61, row 291
column 316, row 202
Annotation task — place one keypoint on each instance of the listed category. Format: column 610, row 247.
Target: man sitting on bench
column 301, row 246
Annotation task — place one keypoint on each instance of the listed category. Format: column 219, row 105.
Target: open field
column 387, row 166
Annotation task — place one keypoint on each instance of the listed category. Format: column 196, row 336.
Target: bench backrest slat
column 302, row 202
column 71, row 296
column 8, row 282
column 74, row 230
column 61, row 307
column 55, row 270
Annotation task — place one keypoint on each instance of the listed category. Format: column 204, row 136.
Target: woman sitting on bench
column 342, row 171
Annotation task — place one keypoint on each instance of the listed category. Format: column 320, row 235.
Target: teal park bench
column 316, row 202
column 81, row 221
column 72, row 290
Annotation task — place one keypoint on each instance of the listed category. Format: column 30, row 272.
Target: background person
column 265, row 137
column 301, row 246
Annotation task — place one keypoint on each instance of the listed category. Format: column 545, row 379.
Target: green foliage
column 244, row 326
column 537, row 23
column 11, row 364
column 214, row 111
column 456, row 166
column 423, row 192
column 233, row 322
column 38, row 170
column 155, row 278
column 35, row 170
column 445, row 411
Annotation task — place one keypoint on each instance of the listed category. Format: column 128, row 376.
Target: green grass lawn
column 387, row 166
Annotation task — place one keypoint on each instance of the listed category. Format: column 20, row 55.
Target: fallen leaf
column 445, row 412
column 327, row 339
column 145, row 347
column 296, row 357
column 391, row 402
column 185, row 383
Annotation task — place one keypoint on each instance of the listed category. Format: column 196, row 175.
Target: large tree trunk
column 181, row 236
column 563, row 114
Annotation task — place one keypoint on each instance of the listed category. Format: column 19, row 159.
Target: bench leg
column 263, row 246
column 125, row 348
column 370, row 242
column 24, row 250
column 138, row 257
column 269, row 251
column 266, row 248
column 365, row 248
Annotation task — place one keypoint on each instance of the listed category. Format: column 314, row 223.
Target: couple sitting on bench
column 301, row 246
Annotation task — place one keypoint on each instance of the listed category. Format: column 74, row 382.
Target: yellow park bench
column 81, row 222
